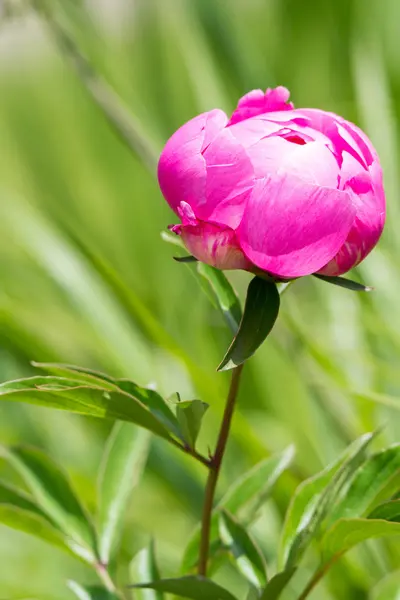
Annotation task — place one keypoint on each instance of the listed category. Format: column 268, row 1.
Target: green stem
column 192, row 452
column 215, row 467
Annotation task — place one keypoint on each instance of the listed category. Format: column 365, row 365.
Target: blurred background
column 85, row 277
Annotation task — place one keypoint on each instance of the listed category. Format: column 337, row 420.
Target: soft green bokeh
column 86, row 279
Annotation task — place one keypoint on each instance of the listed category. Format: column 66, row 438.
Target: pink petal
column 339, row 133
column 363, row 237
column 291, row 228
column 367, row 227
column 215, row 245
column 253, row 130
column 181, row 168
column 256, row 103
column 360, row 140
column 186, row 214
column 312, row 162
column 229, row 180
column 293, row 121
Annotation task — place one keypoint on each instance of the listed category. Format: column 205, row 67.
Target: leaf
column 91, row 592
column 150, row 398
column 256, row 484
column 313, row 498
column 54, row 495
column 144, row 568
column 185, row 259
column 252, row 594
column 123, row 462
column 388, row 588
column 346, row 533
column 345, row 283
column 18, row 499
column 226, row 297
column 260, row 313
column 388, row 511
column 247, row 494
column 216, row 281
column 302, row 502
column 155, row 403
column 277, row 584
column 368, row 482
column 190, row 415
column 76, row 373
column 251, row 489
column 18, row 511
column 172, row 238
column 244, row 549
column 32, row 523
column 192, row 587
column 78, row 397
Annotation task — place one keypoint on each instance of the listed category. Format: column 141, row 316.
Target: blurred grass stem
column 111, row 105
column 215, row 467
column 317, row 578
column 106, row 580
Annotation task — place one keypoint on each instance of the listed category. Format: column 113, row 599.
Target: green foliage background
column 86, row 279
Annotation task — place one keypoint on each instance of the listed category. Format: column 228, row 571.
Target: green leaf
column 190, row 415
column 155, row 403
column 17, row 498
column 217, row 286
column 144, row 568
column 172, row 238
column 388, row 588
column 192, row 587
column 34, row 524
column 150, row 398
column 123, row 462
column 388, row 511
column 19, row 511
column 260, row 313
column 247, row 493
column 277, row 584
column 185, row 259
column 302, row 502
column 256, row 484
column 368, row 481
column 78, row 397
column 226, row 297
column 76, row 373
column 54, row 495
column 345, row 283
column 253, row 594
column 91, row 592
column 346, row 533
column 244, row 549
column 313, row 499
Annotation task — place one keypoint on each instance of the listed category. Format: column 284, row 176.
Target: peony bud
column 287, row 191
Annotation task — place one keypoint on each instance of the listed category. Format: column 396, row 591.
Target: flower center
column 295, row 139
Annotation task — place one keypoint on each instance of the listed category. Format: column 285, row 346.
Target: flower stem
column 215, row 467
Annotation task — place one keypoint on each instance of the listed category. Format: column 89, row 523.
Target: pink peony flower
column 283, row 190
